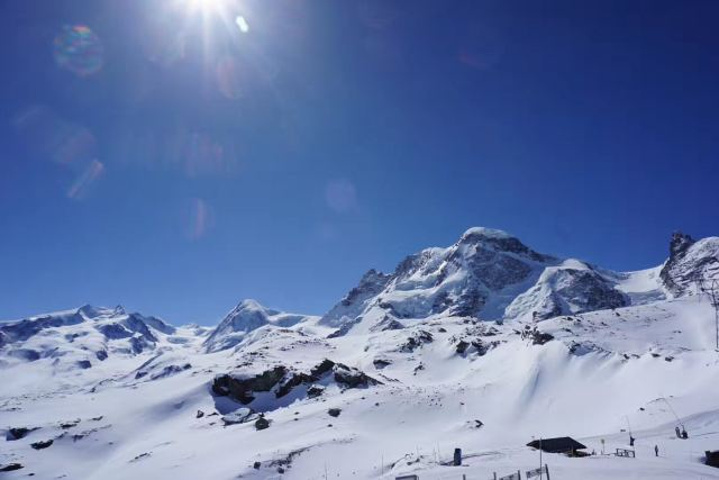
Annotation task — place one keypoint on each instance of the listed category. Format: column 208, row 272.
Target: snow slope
column 384, row 396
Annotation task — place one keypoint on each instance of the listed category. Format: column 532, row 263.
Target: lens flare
column 242, row 24
column 79, row 50
column 229, row 79
column 199, row 219
column 53, row 137
column 82, row 184
column 341, row 196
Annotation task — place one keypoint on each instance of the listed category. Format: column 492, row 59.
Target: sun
column 206, row 6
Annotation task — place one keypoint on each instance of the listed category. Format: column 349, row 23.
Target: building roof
column 557, row 445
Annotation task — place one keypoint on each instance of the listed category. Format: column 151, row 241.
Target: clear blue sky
column 170, row 162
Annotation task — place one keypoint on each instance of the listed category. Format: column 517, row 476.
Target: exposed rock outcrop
column 281, row 381
column 691, row 263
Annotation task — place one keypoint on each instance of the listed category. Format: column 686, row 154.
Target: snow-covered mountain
column 247, row 317
column 480, row 345
column 488, row 274
column 83, row 337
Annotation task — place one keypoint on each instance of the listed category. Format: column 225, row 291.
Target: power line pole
column 710, row 286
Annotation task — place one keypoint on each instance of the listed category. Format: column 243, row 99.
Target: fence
column 625, row 452
column 537, row 472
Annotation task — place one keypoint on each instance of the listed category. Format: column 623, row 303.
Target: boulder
column 315, row 391
column 42, row 444
column 17, row 433
column 241, row 388
column 262, row 423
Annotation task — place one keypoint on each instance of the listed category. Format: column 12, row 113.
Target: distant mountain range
column 481, row 344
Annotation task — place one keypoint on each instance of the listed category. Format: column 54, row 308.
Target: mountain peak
column 484, row 232
column 89, row 311
column 680, row 243
column 250, row 304
column 246, row 317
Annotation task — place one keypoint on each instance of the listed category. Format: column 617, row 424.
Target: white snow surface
column 648, row 366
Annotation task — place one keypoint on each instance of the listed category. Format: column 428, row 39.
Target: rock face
column 281, row 381
column 246, row 317
column 690, row 262
column 352, row 305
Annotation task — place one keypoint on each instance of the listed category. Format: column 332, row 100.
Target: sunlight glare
column 205, row 6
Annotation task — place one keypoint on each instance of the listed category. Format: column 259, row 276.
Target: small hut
column 712, row 458
column 566, row 445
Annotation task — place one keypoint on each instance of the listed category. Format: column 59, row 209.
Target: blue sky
column 154, row 155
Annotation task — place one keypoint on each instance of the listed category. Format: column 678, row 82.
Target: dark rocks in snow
column 166, row 371
column 387, row 323
column 27, row 354
column 139, row 345
column 323, row 367
column 114, row 331
column 537, row 337
column 352, row 378
column 281, row 380
column 262, row 423
column 141, row 456
column 476, row 345
column 416, row 340
column 315, row 391
column 241, row 389
column 11, row 467
column 199, row 414
column 380, row 363
column 294, row 380
column 334, row 412
column 42, row 444
column 344, row 329
column 84, row 364
column 257, row 465
column 540, row 338
column 101, row 355
column 583, row 348
column 16, row 433
column 69, row 424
